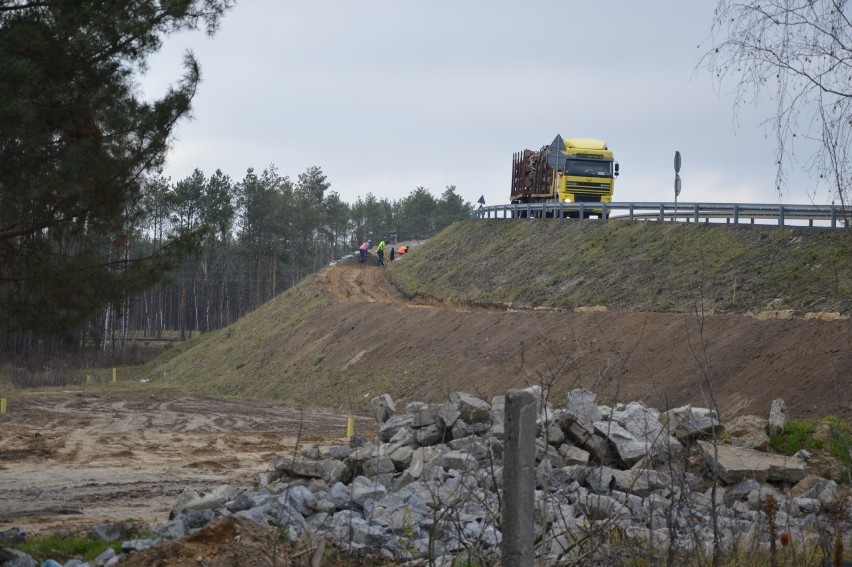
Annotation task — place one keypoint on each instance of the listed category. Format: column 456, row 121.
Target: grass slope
column 245, row 358
column 279, row 352
column 633, row 266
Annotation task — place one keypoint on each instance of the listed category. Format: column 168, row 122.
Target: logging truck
column 569, row 170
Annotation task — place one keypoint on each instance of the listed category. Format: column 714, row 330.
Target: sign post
column 677, row 182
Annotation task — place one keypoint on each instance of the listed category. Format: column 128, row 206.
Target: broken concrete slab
column 629, row 448
column 748, row 431
column 383, row 407
column 735, row 464
column 581, row 406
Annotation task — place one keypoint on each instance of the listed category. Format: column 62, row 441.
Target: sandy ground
column 75, row 460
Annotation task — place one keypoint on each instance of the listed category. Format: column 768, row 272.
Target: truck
column 569, row 170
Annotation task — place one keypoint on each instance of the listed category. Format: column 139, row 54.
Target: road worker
column 380, row 251
column 366, row 245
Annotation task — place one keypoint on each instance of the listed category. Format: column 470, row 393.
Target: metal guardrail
column 736, row 213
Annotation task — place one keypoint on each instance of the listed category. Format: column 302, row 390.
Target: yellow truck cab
column 573, row 170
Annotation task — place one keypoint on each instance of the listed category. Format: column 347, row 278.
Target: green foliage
column 421, row 215
column 840, row 440
column 829, row 436
column 797, row 434
column 75, row 142
column 62, row 548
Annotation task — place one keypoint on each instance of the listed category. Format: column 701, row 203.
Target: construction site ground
column 71, row 460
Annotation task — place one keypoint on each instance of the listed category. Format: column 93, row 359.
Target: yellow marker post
column 350, row 427
column 113, row 375
column 2, row 405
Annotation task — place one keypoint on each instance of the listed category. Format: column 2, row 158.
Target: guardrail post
column 562, row 209
column 631, row 211
column 780, row 215
column 582, row 213
column 736, row 214
column 603, row 212
column 662, row 215
column 695, row 217
column 833, row 217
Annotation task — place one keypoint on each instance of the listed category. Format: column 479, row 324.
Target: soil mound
column 373, row 340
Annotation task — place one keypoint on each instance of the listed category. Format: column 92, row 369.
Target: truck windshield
column 588, row 168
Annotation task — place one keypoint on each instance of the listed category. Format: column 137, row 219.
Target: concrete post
column 519, row 478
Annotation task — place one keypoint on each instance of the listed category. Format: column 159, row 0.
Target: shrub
column 828, row 436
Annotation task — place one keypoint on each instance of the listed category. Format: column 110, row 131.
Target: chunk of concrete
column 471, row 408
column 748, row 431
column 738, row 463
column 629, row 448
column 384, row 407
column 581, row 406
column 394, row 424
column 573, row 455
column 573, row 429
column 777, row 416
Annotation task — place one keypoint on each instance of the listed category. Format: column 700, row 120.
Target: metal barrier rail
column 834, row 215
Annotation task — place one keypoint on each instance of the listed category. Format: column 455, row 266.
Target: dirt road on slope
column 75, row 460
column 353, row 282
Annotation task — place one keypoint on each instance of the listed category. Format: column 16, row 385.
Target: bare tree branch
column 797, row 53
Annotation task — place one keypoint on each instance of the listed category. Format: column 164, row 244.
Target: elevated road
column 834, row 216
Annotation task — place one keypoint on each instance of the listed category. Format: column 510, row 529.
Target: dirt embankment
column 423, row 350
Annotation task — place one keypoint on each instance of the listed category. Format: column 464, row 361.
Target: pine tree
column 76, row 142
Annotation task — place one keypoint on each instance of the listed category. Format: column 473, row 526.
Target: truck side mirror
column 616, row 169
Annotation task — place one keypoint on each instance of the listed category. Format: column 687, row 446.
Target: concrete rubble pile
column 428, row 486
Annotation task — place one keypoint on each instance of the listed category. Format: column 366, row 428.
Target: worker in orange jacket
column 366, row 245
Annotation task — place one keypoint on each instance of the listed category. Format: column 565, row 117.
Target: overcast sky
column 387, row 96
